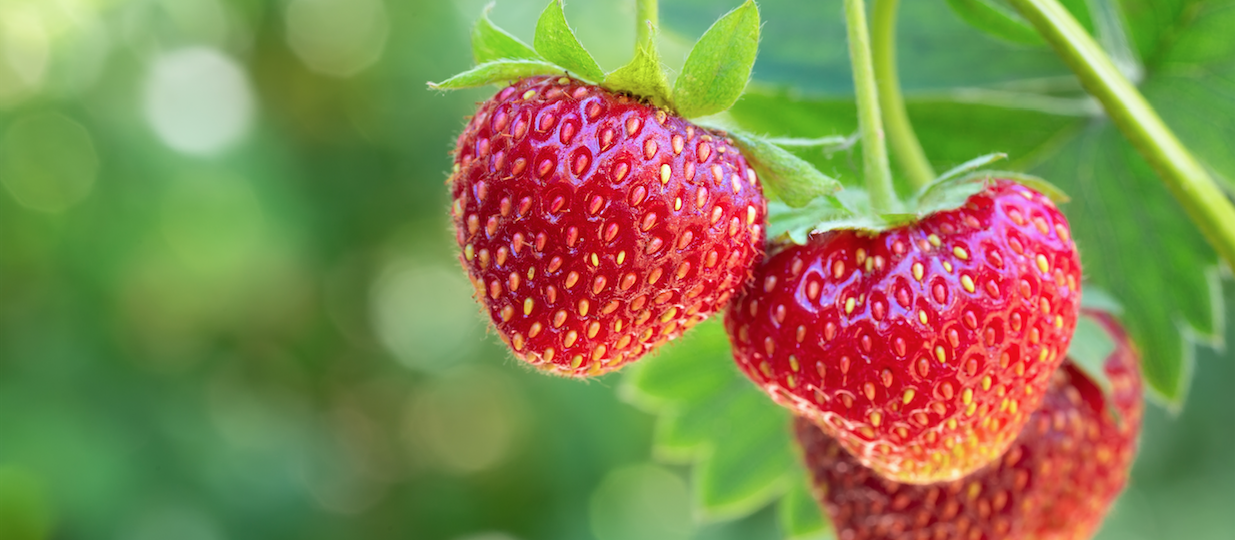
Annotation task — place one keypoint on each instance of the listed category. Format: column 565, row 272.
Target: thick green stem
column 1191, row 184
column 905, row 145
column 874, row 149
column 646, row 18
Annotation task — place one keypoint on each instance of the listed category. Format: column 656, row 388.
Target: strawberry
column 596, row 227
column 1055, row 483
column 922, row 349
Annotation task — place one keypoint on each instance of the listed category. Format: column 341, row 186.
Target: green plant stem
column 1191, row 184
column 875, row 167
column 905, row 145
column 646, row 18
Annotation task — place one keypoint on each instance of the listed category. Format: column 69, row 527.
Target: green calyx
column 712, row 79
column 852, row 208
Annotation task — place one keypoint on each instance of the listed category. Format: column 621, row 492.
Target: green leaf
column 786, row 176
column 752, row 461
column 490, row 43
column 718, row 67
column 801, row 517
column 556, row 42
column 996, row 20
column 500, row 71
column 1193, row 83
column 643, row 76
column 1091, row 347
column 1093, row 297
column 709, row 414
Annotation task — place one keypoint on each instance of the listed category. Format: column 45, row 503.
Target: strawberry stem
column 875, row 166
column 1187, row 179
column 646, row 18
column 905, row 145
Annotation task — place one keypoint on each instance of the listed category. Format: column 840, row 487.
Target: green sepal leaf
column 556, row 42
column 1091, row 346
column 955, row 186
column 499, row 71
column 801, row 518
column 490, row 43
column 786, row 176
column 797, row 224
column 996, row 20
column 718, row 67
column 643, row 77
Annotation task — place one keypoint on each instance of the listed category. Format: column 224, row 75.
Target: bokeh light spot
column 467, row 421
column 24, row 51
column 47, row 162
column 640, row 502
column 337, row 37
column 213, row 222
column 424, row 314
column 198, row 100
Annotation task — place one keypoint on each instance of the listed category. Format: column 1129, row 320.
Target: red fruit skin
column 595, row 227
column 922, row 349
column 1055, row 483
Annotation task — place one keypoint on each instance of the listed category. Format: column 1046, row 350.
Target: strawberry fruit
column 922, row 349
column 1055, row 483
column 595, row 227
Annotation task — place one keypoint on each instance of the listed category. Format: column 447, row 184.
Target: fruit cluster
column 927, row 359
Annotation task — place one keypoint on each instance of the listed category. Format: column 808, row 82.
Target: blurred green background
column 230, row 306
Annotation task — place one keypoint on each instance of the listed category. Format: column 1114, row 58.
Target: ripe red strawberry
column 596, row 227
column 1055, row 483
column 922, row 349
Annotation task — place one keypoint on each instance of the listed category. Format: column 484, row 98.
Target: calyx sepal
column 851, row 208
column 712, row 79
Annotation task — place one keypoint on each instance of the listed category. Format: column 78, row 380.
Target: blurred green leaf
column 997, row 20
column 718, row 67
column 1090, row 348
column 709, row 414
column 801, row 517
column 1192, row 81
column 490, row 43
column 556, row 42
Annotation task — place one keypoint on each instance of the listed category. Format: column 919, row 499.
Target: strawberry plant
column 595, row 222
column 916, row 324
